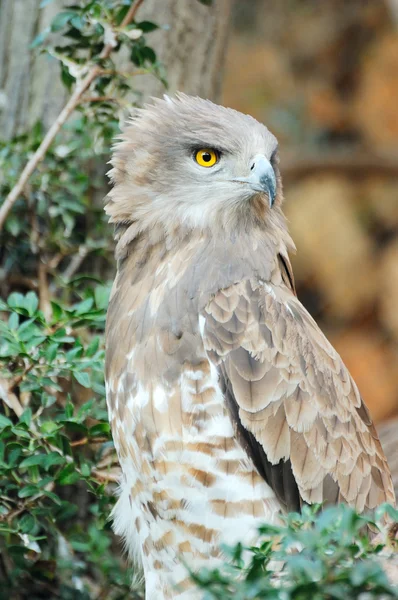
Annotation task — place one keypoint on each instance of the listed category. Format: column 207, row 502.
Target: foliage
column 52, row 449
column 58, row 469
column 321, row 555
column 61, row 213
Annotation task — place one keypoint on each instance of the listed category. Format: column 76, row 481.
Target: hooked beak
column 262, row 178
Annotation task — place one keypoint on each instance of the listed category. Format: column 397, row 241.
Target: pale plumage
column 227, row 403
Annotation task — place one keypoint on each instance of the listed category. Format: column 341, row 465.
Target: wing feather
column 296, row 409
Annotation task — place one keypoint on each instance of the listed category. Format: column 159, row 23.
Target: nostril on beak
column 252, row 167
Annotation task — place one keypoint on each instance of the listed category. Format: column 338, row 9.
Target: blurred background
column 323, row 77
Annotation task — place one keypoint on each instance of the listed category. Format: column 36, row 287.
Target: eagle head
column 185, row 162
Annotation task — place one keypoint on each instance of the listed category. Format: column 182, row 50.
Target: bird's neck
column 200, row 263
column 243, row 236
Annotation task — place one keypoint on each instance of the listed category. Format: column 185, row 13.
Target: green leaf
column 34, row 342
column 147, row 26
column 26, row 416
column 4, row 422
column 61, row 336
column 76, row 352
column 85, row 410
column 39, row 39
column 85, row 469
column 49, row 427
column 93, row 346
column 31, row 461
column 122, row 12
column 27, row 329
column 21, row 432
column 52, row 459
column 9, row 349
column 57, row 311
column 27, row 491
column 83, row 307
column 27, row 523
column 61, row 19
column 53, row 496
column 13, row 224
column 51, row 352
column 15, row 451
column 72, row 426
column 77, row 22
column 16, row 300
column 13, row 321
column 68, row 475
column 148, row 54
column 83, row 378
column 99, row 429
column 68, row 80
column 69, row 410
column 101, row 295
column 31, row 303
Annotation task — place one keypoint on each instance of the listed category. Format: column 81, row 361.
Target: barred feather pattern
column 188, row 484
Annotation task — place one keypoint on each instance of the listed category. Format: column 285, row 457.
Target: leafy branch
column 93, row 73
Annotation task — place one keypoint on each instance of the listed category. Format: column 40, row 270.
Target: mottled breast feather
column 297, row 410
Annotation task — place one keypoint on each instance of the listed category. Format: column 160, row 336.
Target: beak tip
column 268, row 184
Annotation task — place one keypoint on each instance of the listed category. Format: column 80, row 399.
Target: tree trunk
column 191, row 44
column 30, row 85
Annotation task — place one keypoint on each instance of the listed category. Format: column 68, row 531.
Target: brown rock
column 332, row 246
column 375, row 110
column 374, row 367
column 388, row 285
column 256, row 78
column 381, row 194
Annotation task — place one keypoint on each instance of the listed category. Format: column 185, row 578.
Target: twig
column 81, row 442
column 65, row 113
column 55, row 260
column 75, row 263
column 130, row 15
column 98, row 99
column 9, row 397
column 44, row 294
column 15, row 280
column 106, row 475
column 15, row 382
column 47, row 141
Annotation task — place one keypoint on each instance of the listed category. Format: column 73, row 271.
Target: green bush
column 319, row 556
column 57, row 461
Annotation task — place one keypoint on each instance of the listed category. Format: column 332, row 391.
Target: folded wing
column 295, row 407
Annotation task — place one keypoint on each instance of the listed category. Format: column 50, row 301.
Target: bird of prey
column 227, row 404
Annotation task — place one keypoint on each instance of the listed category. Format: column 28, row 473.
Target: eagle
column 228, row 406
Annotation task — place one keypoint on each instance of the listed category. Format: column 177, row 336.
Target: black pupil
column 206, row 156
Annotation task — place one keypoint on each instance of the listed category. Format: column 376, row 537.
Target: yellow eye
column 205, row 157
